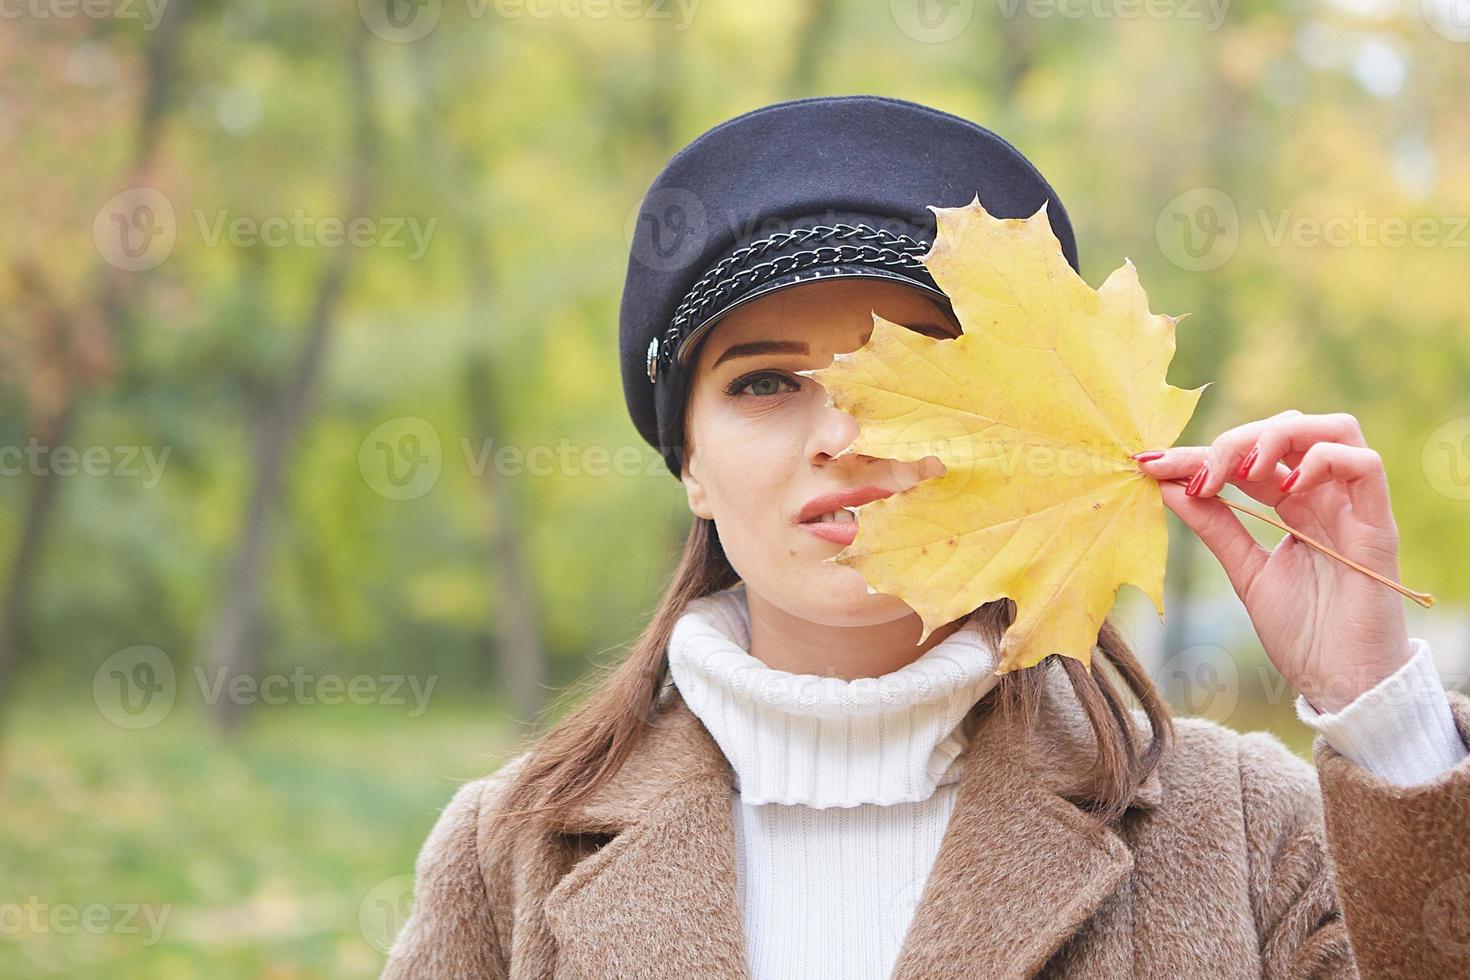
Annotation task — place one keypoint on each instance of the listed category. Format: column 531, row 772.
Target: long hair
column 562, row 767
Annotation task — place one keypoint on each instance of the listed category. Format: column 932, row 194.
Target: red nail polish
column 1198, row 481
column 1145, row 457
column 1287, row 483
column 1245, row 464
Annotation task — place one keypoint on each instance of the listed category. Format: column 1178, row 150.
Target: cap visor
column 795, row 278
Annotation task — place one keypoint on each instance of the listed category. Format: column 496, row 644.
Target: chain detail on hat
column 873, row 246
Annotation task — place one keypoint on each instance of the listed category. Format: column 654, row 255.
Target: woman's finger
column 1217, row 525
column 1289, row 442
column 1271, row 443
column 1269, row 440
column 1183, row 462
column 1357, row 469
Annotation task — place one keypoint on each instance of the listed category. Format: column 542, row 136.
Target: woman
column 778, row 782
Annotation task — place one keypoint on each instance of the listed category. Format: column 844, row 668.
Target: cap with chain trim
column 833, row 186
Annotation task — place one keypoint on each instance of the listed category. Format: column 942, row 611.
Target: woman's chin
column 850, row 588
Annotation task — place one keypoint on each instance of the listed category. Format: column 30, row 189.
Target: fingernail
column 1245, row 464
column 1148, row 456
column 1287, row 483
column 1198, row 481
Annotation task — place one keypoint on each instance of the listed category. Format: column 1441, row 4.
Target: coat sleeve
column 450, row 933
column 1352, row 875
column 1402, row 861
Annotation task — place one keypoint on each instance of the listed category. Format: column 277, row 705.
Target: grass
column 168, row 852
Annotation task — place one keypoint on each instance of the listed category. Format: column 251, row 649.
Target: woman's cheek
column 760, row 451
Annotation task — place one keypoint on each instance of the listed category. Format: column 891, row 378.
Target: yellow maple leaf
column 1034, row 411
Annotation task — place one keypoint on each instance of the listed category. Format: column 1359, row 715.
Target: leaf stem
column 1423, row 598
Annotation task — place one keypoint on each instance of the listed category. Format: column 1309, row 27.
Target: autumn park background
column 315, row 477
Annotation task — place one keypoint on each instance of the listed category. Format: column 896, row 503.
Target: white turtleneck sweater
column 844, row 788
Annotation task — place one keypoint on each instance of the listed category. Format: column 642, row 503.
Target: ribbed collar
column 826, row 741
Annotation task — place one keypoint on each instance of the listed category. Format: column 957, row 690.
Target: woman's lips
column 839, row 533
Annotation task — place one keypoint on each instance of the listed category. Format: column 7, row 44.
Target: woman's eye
column 761, row 384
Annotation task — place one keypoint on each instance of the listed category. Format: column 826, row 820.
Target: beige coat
column 1222, row 867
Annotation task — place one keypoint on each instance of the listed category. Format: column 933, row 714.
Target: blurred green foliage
column 285, row 854
column 518, row 147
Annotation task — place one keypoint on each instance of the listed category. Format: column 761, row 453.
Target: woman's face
column 760, row 440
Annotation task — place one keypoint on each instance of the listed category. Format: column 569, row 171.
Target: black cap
column 833, row 186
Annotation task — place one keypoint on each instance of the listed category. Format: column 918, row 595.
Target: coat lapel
column 1019, row 869
column 659, row 900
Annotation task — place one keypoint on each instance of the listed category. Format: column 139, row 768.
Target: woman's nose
column 835, row 430
column 832, row 431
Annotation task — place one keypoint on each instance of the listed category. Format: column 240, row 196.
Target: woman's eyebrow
column 763, row 347
column 756, row 347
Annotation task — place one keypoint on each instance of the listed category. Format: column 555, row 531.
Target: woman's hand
column 1331, row 631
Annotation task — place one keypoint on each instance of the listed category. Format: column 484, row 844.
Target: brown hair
column 587, row 748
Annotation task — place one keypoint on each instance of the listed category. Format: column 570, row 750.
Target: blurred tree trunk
column 519, row 655
column 229, row 648
column 522, row 658
column 810, row 49
column 77, row 345
column 1016, row 57
column 25, row 564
